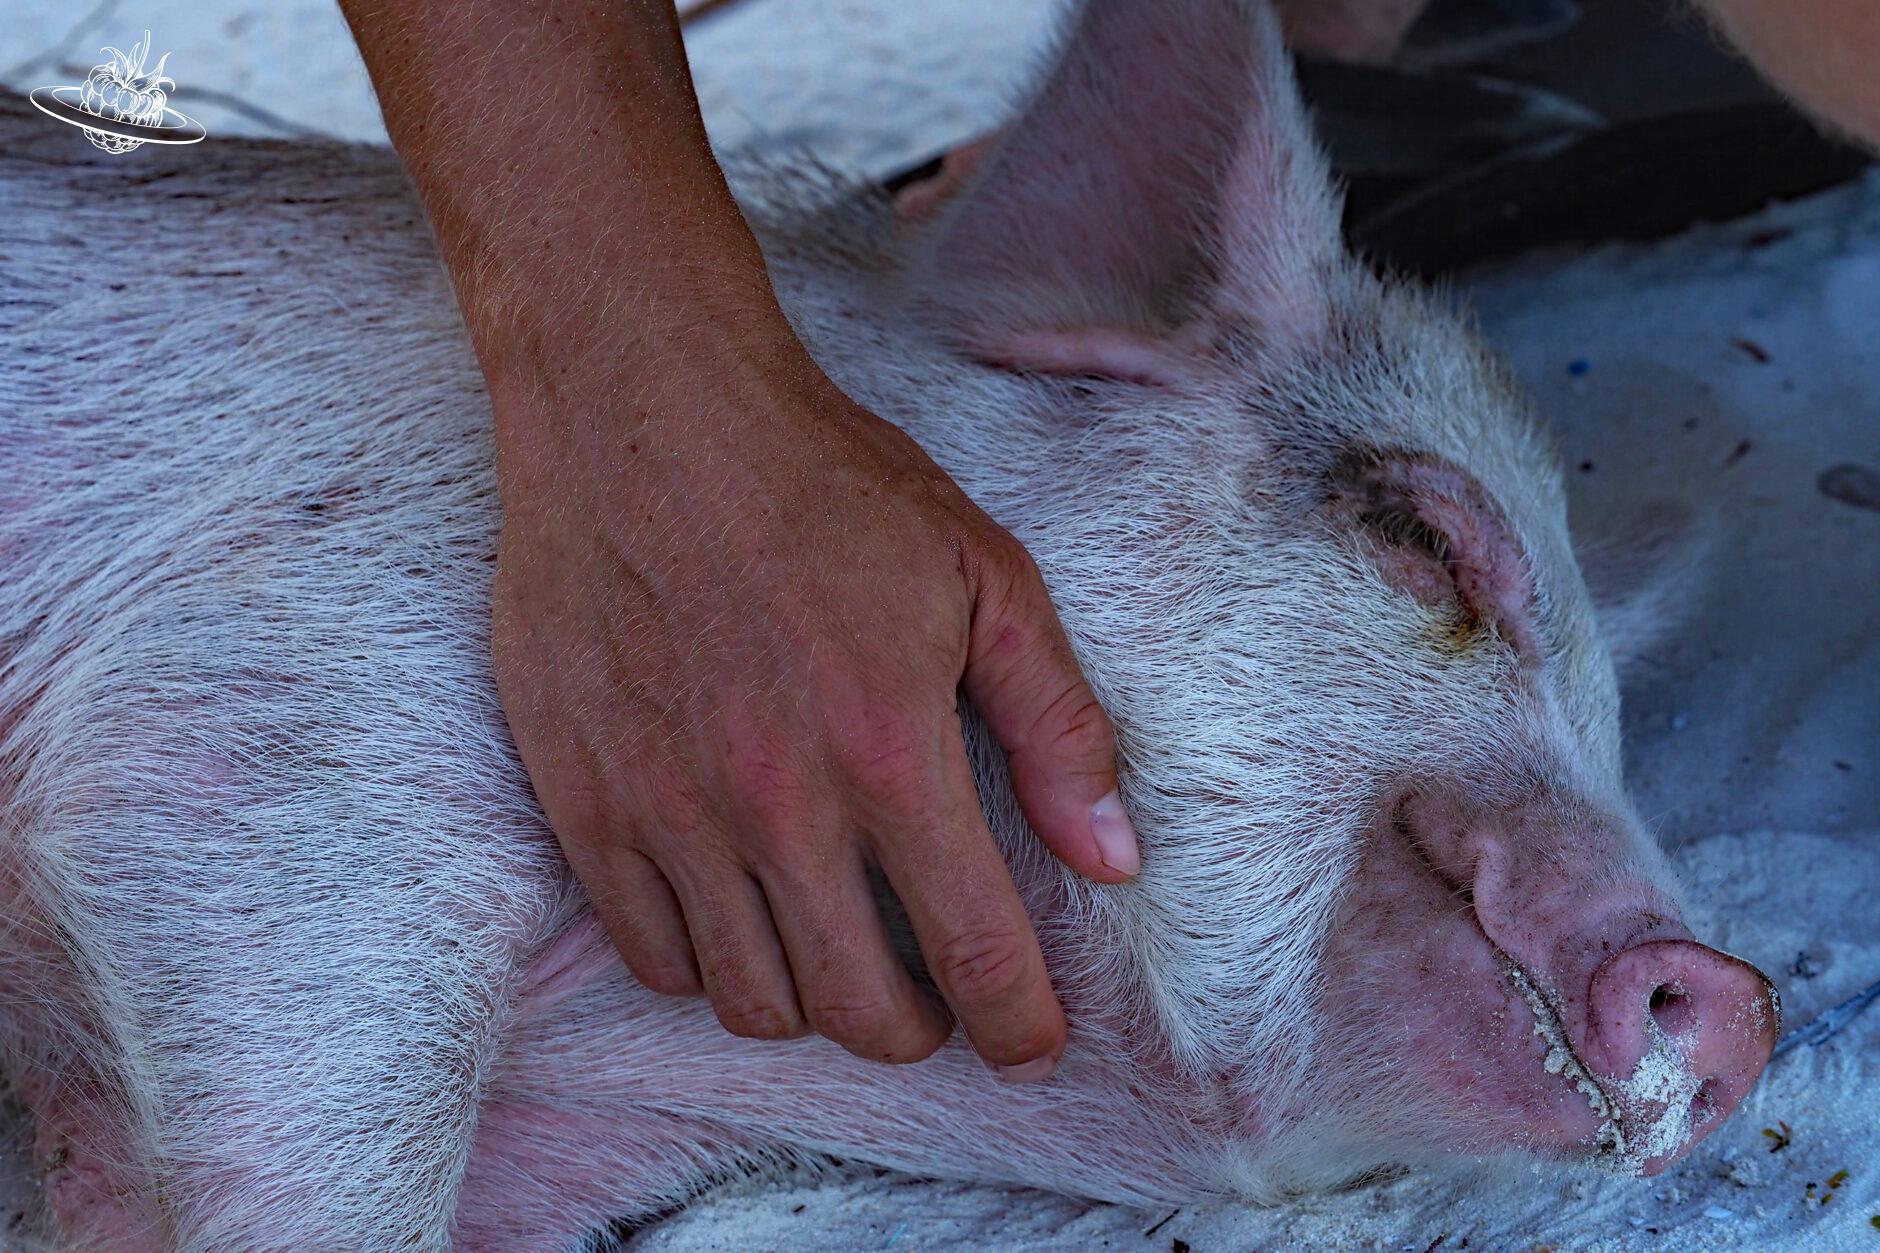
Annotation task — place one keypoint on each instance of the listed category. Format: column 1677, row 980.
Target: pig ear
column 1161, row 190
column 1643, row 566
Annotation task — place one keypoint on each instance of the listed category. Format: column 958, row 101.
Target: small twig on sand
column 1830, row 1022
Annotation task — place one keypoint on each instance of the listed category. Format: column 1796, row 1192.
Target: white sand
column 1752, row 732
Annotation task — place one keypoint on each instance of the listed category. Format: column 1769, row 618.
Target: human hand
column 729, row 633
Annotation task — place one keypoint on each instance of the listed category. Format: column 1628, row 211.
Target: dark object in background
column 1472, row 31
column 1640, row 180
column 1390, row 126
column 1851, row 485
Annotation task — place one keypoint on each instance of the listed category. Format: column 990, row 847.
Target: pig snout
column 1576, row 900
column 1529, row 970
column 1686, row 1031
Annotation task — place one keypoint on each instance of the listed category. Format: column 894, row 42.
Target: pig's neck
column 586, row 1037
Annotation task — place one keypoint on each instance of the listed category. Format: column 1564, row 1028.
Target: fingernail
column 1116, row 839
column 1038, row 1068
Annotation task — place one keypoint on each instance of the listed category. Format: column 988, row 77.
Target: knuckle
column 759, row 1019
column 1002, row 552
column 890, row 758
column 783, row 844
column 767, row 785
column 1073, row 725
column 980, row 966
column 862, row 1025
column 673, row 799
column 765, row 777
column 1021, row 566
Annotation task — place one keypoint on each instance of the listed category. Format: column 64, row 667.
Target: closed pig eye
column 1414, row 556
column 1434, row 533
column 1404, row 529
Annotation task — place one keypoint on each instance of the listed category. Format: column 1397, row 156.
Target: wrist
column 694, row 374
column 589, row 296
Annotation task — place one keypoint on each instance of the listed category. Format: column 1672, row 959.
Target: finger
column 979, row 946
column 641, row 913
column 852, row 985
column 1023, row 678
column 740, row 958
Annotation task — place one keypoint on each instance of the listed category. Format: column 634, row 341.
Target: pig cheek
column 96, row 1206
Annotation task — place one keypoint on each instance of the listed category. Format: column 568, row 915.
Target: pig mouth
column 1653, row 1115
column 1613, row 1149
column 1609, row 1143
column 1652, row 1037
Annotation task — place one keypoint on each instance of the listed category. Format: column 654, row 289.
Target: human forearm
column 732, row 610
column 562, row 161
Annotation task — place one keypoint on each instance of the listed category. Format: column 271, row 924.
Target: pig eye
column 1435, row 534
column 1404, row 529
column 1412, row 553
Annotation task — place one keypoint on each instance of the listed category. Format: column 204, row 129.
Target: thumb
column 1023, row 678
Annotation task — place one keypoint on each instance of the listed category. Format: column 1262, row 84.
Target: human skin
column 733, row 610
column 1821, row 53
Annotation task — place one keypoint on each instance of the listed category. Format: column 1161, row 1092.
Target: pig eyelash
column 1404, row 529
column 1442, row 540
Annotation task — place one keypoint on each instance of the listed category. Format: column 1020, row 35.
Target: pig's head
column 1315, row 555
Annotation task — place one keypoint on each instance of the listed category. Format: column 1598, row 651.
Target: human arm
column 732, row 608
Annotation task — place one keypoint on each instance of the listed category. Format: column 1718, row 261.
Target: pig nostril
column 1704, row 1103
column 1670, row 1008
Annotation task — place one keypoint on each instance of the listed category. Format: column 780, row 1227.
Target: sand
column 1731, row 369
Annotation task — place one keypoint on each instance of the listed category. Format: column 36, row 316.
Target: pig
column 291, row 960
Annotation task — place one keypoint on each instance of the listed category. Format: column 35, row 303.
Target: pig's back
column 271, row 861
